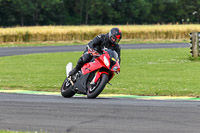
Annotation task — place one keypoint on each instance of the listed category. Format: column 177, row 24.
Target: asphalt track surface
column 8, row 51
column 55, row 114
column 102, row 115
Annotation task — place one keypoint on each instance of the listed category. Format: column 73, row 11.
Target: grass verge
column 17, row 132
column 143, row 72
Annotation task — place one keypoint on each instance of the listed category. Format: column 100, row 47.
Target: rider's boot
column 73, row 71
column 77, row 68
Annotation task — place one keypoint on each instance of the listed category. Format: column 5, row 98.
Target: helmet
column 115, row 35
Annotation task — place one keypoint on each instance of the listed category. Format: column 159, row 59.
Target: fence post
column 194, row 41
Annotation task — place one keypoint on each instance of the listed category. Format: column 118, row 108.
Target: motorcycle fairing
column 81, row 84
column 91, row 66
column 118, row 67
column 95, row 65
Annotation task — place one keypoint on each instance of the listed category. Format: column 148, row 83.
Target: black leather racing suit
column 98, row 43
column 102, row 41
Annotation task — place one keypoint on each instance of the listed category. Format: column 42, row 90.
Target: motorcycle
column 93, row 76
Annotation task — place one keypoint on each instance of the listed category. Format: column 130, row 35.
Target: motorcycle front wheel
column 66, row 91
column 94, row 91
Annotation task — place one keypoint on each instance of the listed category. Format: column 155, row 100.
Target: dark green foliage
column 81, row 12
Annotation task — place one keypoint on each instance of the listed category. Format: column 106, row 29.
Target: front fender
column 97, row 76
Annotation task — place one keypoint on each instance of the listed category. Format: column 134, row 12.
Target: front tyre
column 66, row 91
column 98, row 88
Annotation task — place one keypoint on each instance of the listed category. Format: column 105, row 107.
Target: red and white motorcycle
column 93, row 76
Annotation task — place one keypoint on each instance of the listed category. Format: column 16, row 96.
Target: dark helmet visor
column 115, row 40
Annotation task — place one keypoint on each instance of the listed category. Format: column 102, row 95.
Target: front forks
column 97, row 76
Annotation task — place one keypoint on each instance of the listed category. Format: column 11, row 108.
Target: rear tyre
column 66, row 91
column 98, row 88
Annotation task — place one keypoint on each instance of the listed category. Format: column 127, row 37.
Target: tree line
column 97, row 12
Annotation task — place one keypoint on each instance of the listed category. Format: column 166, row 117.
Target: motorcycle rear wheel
column 99, row 87
column 67, row 92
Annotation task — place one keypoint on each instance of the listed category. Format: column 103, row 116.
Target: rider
column 109, row 40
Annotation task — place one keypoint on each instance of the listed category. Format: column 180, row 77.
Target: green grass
column 16, row 132
column 143, row 72
column 123, row 41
